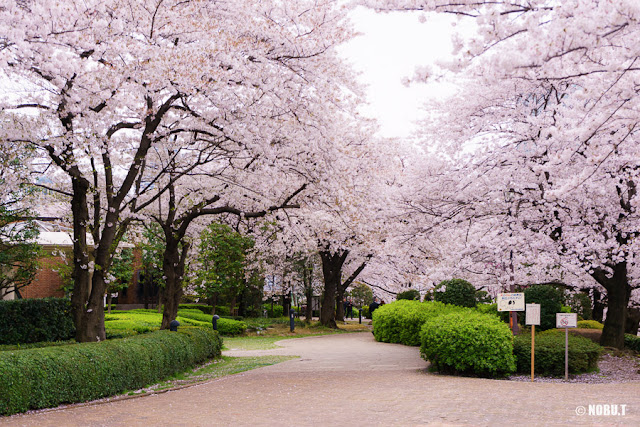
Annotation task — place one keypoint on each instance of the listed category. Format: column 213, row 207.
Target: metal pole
column 566, row 354
column 292, row 325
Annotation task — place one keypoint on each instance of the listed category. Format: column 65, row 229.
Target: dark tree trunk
column 173, row 263
column 81, row 274
column 340, row 304
column 332, row 271
column 618, row 294
column 598, row 306
column 633, row 321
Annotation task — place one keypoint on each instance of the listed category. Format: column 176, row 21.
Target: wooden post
column 533, row 349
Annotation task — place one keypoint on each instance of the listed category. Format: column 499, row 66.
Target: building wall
column 47, row 282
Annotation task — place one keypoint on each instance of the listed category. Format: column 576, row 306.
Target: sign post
column 511, row 302
column 566, row 321
column 533, row 319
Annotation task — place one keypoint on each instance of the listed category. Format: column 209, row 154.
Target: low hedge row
column 47, row 377
column 400, row 321
column 35, row 320
column 550, row 353
column 226, row 327
column 468, row 343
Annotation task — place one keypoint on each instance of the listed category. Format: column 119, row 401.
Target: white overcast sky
column 390, row 47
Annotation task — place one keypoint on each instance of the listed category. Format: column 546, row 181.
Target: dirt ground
column 350, row 379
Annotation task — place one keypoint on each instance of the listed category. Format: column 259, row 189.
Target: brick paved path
column 351, row 380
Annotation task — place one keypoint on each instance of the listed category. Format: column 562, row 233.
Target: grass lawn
column 213, row 369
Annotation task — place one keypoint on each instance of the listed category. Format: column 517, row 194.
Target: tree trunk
column 88, row 309
column 340, row 314
column 598, row 306
column 618, row 293
column 332, row 272
column 173, row 268
column 109, row 299
column 633, row 321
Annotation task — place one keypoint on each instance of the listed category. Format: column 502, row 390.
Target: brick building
column 57, row 243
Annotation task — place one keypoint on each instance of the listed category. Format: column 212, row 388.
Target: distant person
column 373, row 307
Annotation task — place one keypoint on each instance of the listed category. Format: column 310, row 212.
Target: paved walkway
column 351, row 380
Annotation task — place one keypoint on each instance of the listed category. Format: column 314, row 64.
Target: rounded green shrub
column 400, row 321
column 411, row 294
column 590, row 324
column 550, row 353
column 456, row 292
column 468, row 343
column 47, row 377
column 550, row 300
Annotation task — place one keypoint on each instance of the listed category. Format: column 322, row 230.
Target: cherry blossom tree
column 108, row 83
column 551, row 121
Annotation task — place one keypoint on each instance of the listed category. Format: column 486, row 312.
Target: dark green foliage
column 468, row 342
column 411, row 294
column 550, row 300
column 276, row 311
column 483, row 297
column 361, row 295
column 365, row 312
column 400, row 321
column 33, row 320
column 550, row 349
column 48, row 377
column 456, row 292
column 581, row 303
column 632, row 342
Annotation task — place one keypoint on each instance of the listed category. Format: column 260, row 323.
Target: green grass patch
column 215, row 369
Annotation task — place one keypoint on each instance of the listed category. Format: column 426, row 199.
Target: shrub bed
column 468, row 343
column 47, row 377
column 35, row 320
column 227, row 327
column 400, row 321
column 550, row 349
column 590, row 324
column 632, row 342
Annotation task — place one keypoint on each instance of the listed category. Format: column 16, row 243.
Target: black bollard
column 173, row 326
column 360, row 316
column 214, row 320
column 292, row 324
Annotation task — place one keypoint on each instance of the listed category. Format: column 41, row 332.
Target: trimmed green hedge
column 590, row 324
column 48, row 377
column 227, row 327
column 400, row 321
column 469, row 343
column 550, row 349
column 36, row 319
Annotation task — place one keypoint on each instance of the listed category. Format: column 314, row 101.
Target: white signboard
column 533, row 314
column 566, row 320
column 511, row 302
